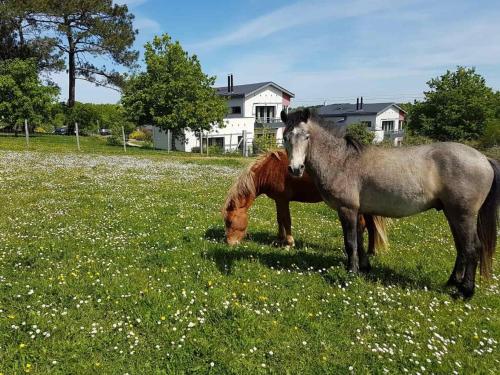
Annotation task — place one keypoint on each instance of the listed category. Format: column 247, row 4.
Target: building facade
column 250, row 107
column 386, row 120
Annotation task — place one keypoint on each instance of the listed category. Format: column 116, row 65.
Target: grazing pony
column 269, row 175
column 400, row 182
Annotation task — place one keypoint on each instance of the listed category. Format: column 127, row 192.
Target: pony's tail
column 377, row 233
column 487, row 223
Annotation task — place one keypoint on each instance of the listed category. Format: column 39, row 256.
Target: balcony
column 267, row 120
column 393, row 133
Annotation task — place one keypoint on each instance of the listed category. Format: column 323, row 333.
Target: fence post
column 244, row 136
column 77, row 136
column 26, row 132
column 201, row 142
column 231, row 142
column 169, row 140
column 207, row 143
column 124, row 141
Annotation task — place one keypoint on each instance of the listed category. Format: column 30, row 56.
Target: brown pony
column 269, row 175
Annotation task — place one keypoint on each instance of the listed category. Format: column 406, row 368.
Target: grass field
column 115, row 264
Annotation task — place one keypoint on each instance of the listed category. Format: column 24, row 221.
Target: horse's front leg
column 364, row 262
column 349, row 219
column 284, row 222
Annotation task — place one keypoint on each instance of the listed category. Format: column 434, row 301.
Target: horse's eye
column 307, row 136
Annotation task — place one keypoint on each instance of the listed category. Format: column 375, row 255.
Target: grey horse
column 398, row 182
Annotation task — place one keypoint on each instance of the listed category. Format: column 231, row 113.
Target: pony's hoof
column 467, row 292
column 365, row 268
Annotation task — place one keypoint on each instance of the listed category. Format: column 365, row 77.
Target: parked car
column 61, row 131
column 104, row 131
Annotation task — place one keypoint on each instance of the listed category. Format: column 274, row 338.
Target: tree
column 456, row 107
column 82, row 29
column 18, row 40
column 360, row 133
column 22, row 94
column 173, row 93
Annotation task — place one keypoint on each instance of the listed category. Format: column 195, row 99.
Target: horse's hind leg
column 284, row 222
column 464, row 229
column 364, row 262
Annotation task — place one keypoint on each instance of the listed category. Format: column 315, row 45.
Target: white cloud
column 146, row 24
column 301, row 14
column 131, row 3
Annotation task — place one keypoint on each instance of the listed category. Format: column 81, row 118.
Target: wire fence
column 243, row 143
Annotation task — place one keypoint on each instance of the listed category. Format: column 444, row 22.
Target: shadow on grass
column 217, row 234
column 299, row 260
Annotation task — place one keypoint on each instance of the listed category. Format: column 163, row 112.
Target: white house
column 386, row 120
column 248, row 105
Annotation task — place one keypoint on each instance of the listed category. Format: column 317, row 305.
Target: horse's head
column 235, row 222
column 296, row 139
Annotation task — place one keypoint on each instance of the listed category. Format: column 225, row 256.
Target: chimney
column 232, row 83
column 361, row 103
column 357, row 104
column 228, row 83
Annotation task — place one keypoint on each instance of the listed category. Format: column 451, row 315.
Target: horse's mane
column 253, row 177
column 294, row 118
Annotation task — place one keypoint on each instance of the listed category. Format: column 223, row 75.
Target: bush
column 114, row 140
column 266, row 142
column 361, row 133
column 491, row 136
column 410, row 139
column 215, row 150
column 138, row 135
column 40, row 130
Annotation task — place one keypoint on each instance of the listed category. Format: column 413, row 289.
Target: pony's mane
column 296, row 117
column 248, row 182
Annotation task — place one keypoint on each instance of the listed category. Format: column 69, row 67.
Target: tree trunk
column 71, row 77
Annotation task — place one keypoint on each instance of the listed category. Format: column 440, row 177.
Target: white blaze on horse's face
column 296, row 144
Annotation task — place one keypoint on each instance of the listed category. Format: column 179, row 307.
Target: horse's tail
column 487, row 222
column 377, row 233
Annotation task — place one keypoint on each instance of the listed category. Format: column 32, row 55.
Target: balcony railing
column 393, row 133
column 267, row 120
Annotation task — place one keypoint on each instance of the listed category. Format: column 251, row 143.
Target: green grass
column 114, row 264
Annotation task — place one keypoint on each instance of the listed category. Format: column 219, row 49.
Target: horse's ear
column 284, row 116
column 306, row 114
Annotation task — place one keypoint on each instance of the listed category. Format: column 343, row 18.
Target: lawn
column 114, row 263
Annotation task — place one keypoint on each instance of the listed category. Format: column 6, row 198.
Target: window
column 401, row 124
column 236, row 110
column 368, row 124
column 388, row 126
column 216, row 141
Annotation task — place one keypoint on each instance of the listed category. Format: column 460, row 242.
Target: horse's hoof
column 467, row 292
column 365, row 268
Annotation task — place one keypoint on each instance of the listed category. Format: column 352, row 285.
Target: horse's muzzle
column 296, row 171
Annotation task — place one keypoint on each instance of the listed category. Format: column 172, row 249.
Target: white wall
column 390, row 114
column 234, row 124
column 270, row 96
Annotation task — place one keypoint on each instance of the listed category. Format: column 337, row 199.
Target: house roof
column 248, row 89
column 348, row 109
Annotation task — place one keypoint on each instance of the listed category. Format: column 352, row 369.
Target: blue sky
column 324, row 51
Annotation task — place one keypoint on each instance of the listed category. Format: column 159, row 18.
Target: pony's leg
column 364, row 262
column 284, row 222
column 464, row 231
column 349, row 218
column 457, row 274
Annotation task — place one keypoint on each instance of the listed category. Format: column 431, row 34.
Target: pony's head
column 296, row 139
column 235, row 210
column 235, row 222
